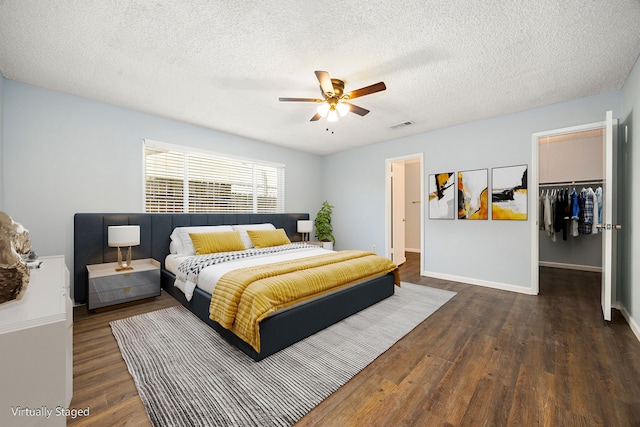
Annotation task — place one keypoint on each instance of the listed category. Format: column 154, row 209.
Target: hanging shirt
column 575, row 206
column 574, row 212
column 559, row 222
column 585, row 221
column 596, row 214
column 599, row 201
column 547, row 214
column 541, row 210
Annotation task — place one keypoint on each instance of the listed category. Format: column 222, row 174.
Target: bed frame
column 276, row 332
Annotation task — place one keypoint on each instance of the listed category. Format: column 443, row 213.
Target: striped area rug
column 187, row 375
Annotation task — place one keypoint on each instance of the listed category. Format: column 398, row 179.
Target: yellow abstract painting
column 509, row 193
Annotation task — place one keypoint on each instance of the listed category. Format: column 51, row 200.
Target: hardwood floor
column 487, row 358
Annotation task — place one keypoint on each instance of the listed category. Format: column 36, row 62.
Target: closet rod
column 559, row 183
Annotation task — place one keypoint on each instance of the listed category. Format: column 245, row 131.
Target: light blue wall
column 629, row 253
column 70, row 154
column 584, row 251
column 496, row 253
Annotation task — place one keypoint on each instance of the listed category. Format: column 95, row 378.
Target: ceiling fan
column 335, row 100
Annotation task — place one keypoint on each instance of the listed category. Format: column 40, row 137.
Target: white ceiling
column 223, row 64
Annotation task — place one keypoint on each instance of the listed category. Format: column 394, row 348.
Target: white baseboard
column 570, row 266
column 479, row 282
column 635, row 328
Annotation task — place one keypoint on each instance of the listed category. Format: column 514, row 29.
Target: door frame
column 535, row 191
column 398, row 212
column 389, row 202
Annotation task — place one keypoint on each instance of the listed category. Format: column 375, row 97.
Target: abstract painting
column 442, row 196
column 509, row 193
column 473, row 194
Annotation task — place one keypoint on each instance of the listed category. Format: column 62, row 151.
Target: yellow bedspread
column 243, row 297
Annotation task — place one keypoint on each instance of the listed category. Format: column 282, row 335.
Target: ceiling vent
column 401, row 124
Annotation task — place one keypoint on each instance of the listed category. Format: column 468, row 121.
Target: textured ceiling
column 223, row 64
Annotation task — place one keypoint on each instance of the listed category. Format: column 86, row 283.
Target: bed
column 277, row 330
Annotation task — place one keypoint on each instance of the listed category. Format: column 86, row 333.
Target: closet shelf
column 560, row 183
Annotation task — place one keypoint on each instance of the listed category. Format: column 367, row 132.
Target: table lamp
column 123, row 236
column 305, row 227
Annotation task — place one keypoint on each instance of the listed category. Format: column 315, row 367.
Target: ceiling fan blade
column 300, row 100
column 358, row 110
column 325, row 82
column 315, row 117
column 368, row 90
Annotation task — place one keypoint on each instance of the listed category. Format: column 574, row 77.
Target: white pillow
column 182, row 240
column 243, row 231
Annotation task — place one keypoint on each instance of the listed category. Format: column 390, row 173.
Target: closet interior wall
column 566, row 159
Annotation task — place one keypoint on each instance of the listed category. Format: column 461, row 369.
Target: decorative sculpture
column 14, row 246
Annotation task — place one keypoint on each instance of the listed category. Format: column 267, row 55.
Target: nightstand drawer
column 108, row 287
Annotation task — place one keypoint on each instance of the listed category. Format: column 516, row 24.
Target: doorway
column 606, row 225
column 405, row 211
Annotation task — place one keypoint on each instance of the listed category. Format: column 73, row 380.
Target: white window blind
column 181, row 180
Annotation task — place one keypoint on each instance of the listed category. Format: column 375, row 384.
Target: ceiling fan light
column 343, row 108
column 323, row 109
column 332, row 116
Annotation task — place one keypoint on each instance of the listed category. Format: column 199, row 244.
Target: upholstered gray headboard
column 90, row 236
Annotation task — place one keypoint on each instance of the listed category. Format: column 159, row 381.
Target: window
column 177, row 179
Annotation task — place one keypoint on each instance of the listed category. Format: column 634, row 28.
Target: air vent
column 401, row 124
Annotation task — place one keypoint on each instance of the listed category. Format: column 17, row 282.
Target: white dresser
column 36, row 350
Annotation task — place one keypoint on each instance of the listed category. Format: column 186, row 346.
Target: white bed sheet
column 209, row 276
column 172, row 262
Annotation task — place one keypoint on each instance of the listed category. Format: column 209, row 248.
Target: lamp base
column 123, row 266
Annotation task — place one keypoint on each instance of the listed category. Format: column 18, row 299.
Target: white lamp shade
column 343, row 108
column 323, row 109
column 305, row 226
column 124, row 235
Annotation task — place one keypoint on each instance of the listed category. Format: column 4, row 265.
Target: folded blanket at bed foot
column 244, row 297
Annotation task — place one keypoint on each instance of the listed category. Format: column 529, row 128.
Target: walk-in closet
column 570, row 200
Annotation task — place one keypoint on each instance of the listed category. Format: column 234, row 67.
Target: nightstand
column 108, row 287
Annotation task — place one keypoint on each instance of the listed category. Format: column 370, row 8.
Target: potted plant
column 324, row 229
